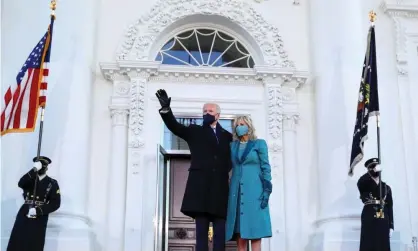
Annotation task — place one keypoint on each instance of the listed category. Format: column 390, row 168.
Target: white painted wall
column 66, row 137
column 328, row 44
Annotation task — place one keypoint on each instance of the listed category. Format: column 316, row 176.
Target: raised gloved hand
column 163, row 98
column 390, row 233
column 37, row 165
column 32, row 212
column 267, row 189
column 377, row 168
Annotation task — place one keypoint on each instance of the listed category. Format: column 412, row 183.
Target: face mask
column 373, row 173
column 208, row 119
column 43, row 170
column 241, row 130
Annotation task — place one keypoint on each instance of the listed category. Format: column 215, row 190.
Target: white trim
column 410, row 10
column 156, row 47
column 166, row 15
column 131, row 79
column 126, row 70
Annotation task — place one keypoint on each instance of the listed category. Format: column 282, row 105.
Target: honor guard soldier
column 376, row 222
column 42, row 197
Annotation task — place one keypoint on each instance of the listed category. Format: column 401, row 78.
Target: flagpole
column 372, row 16
column 53, row 6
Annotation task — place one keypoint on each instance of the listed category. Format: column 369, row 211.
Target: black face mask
column 43, row 170
column 208, row 119
column 374, row 174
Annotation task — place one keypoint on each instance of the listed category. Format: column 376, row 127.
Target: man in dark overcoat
column 206, row 195
column 42, row 197
column 376, row 224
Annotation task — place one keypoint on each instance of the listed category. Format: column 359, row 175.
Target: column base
column 343, row 234
column 69, row 232
column 70, row 240
column 61, row 238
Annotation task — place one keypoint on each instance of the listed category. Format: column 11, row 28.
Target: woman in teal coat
column 248, row 216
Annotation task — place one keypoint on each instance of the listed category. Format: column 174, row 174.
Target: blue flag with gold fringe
column 368, row 101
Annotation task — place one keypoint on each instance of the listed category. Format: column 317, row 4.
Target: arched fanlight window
column 205, row 47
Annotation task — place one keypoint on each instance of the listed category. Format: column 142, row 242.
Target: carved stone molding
column 289, row 95
column 121, row 89
column 275, row 111
column 401, row 50
column 275, row 147
column 119, row 116
column 290, row 121
column 400, row 10
column 141, row 35
column 130, row 80
column 275, row 126
column 137, row 108
column 173, row 73
column 282, row 114
column 405, row 18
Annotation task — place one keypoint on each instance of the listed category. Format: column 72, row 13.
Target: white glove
column 32, row 212
column 377, row 168
column 390, row 233
column 37, row 165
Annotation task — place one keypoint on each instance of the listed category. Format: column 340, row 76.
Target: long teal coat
column 246, row 180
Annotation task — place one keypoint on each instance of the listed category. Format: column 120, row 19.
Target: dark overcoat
column 375, row 231
column 207, row 185
column 29, row 234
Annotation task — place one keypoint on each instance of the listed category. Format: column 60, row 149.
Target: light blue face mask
column 241, row 130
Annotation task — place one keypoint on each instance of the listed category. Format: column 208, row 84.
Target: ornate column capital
column 112, row 72
column 119, row 116
column 405, row 18
column 277, row 75
column 290, row 121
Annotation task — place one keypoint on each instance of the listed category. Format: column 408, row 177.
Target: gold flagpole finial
column 53, row 6
column 372, row 16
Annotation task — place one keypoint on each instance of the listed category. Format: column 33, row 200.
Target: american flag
column 27, row 94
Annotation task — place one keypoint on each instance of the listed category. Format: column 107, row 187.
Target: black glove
column 163, row 98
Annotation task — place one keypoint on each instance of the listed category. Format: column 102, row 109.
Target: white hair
column 218, row 108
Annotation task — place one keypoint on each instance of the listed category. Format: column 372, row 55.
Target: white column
column 338, row 48
column 291, row 184
column 117, row 180
column 68, row 113
column 404, row 185
column 275, row 143
column 137, row 229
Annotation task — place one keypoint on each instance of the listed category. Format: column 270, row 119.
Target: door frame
column 129, row 101
column 163, row 182
column 162, row 218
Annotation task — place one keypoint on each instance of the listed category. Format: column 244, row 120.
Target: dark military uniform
column 375, row 230
column 28, row 234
